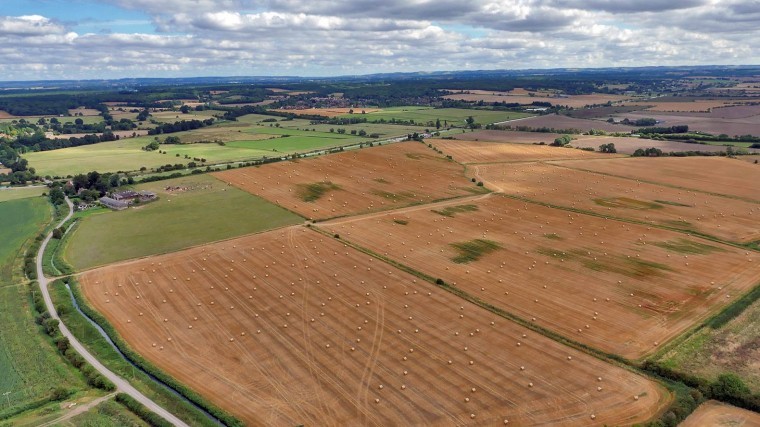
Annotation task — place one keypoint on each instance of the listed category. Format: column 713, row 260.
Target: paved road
column 121, row 384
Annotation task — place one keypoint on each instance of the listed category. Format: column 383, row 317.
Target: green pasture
column 30, row 366
column 13, row 193
column 209, row 210
column 427, row 115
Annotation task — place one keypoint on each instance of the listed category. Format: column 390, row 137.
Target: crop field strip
column 728, row 219
column 619, row 287
column 719, row 176
column 368, row 180
column 470, row 152
column 293, row 326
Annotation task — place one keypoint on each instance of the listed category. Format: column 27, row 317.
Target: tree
column 172, row 140
column 470, row 122
column 437, row 123
column 56, row 196
column 608, row 148
column 78, row 122
column 729, row 386
column 184, row 109
column 562, row 141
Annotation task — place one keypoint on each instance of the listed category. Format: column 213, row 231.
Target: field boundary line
column 607, row 357
column 662, row 184
column 754, row 292
column 690, row 233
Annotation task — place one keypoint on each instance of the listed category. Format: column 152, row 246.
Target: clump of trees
column 562, row 141
column 647, row 152
column 608, row 148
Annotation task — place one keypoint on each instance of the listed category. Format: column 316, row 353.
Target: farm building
column 130, row 196
column 113, row 203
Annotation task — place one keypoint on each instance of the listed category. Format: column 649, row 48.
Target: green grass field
column 244, row 142
column 454, row 116
column 30, row 367
column 13, row 193
column 208, row 211
column 108, row 413
column 729, row 347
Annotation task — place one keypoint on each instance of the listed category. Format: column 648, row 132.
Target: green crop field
column 172, row 222
column 454, row 116
column 240, row 143
column 30, row 366
column 13, row 193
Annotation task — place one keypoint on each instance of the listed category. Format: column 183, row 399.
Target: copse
column 562, row 141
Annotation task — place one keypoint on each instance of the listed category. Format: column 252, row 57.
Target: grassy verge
column 91, row 338
column 111, row 413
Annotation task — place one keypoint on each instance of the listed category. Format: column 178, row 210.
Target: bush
column 141, row 411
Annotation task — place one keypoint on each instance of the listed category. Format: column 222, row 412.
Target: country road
column 121, row 384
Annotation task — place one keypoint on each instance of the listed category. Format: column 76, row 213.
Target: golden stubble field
column 358, row 181
column 622, row 288
column 718, row 175
column 492, row 152
column 729, row 219
column 293, row 327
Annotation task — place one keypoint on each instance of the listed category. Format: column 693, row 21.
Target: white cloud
column 320, row 37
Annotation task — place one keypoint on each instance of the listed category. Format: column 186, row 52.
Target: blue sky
column 81, row 39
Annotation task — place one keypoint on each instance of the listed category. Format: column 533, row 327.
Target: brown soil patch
column 627, row 145
column 748, row 125
column 507, row 136
column 489, row 152
column 84, row 111
column 729, row 219
column 689, row 106
column 607, row 284
column 330, row 112
column 364, row 344
column 6, row 115
column 712, row 174
column 358, row 181
column 718, row 414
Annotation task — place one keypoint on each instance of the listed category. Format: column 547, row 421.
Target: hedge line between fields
column 51, row 327
column 138, row 360
column 141, row 411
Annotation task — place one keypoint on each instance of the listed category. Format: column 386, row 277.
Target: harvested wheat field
column 717, row 414
column 491, row 152
column 628, row 145
column 729, row 219
column 619, row 287
column 359, row 181
column 292, row 327
column 718, row 175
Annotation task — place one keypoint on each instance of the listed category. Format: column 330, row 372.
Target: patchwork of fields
column 479, row 279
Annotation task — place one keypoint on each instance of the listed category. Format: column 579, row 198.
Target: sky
column 96, row 39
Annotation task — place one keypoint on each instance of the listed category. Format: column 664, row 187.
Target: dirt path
column 79, row 410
